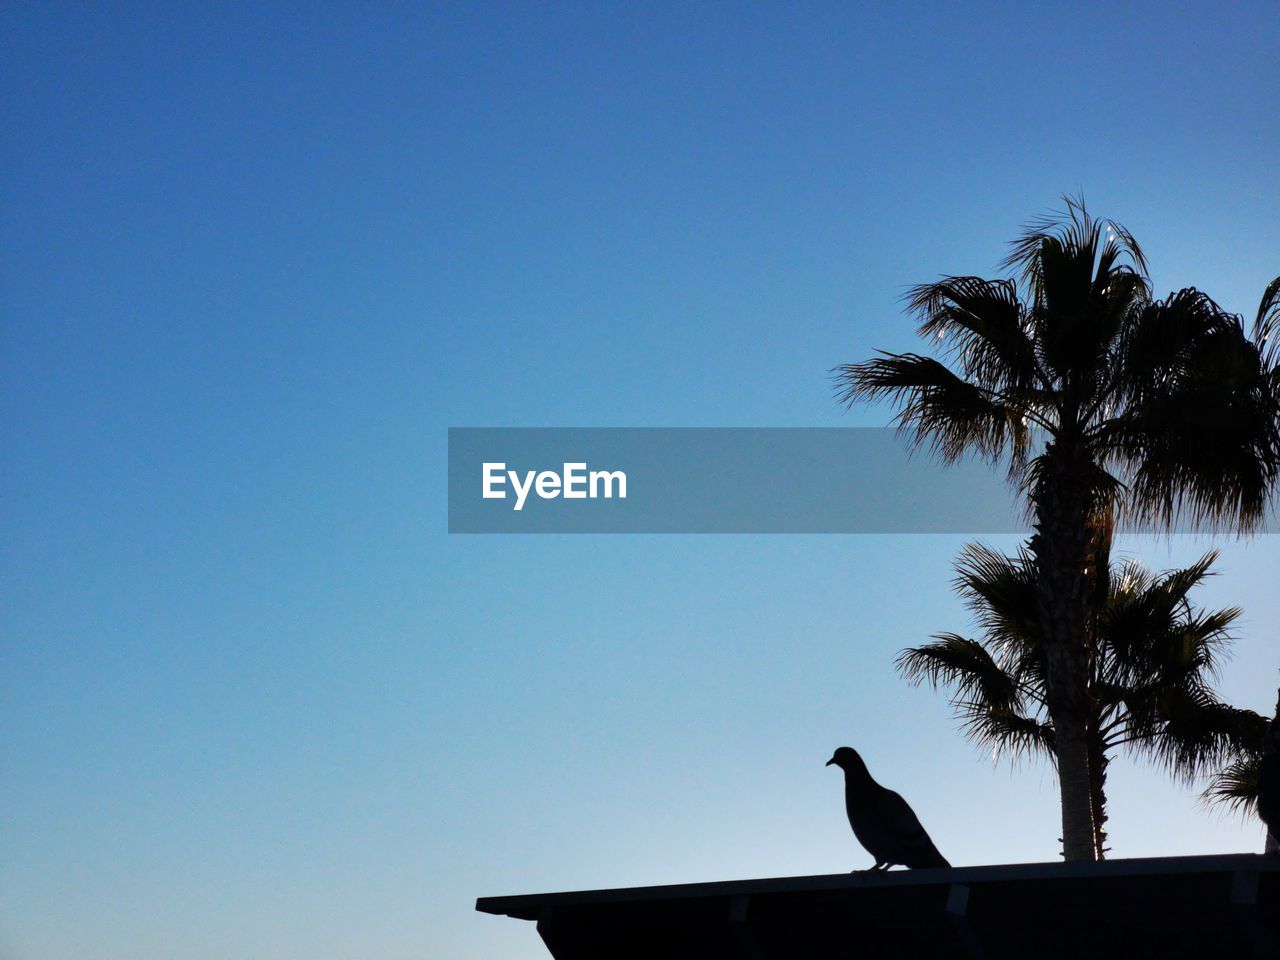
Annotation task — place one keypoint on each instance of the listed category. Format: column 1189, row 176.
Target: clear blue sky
column 256, row 260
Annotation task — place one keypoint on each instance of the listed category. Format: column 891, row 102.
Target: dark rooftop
column 1166, row 907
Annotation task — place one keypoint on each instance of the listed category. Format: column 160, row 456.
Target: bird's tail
column 934, row 858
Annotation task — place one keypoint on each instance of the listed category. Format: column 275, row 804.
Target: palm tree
column 1238, row 784
column 1104, row 402
column 1151, row 668
column 1235, row 786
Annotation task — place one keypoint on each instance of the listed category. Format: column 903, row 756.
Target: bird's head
column 847, row 759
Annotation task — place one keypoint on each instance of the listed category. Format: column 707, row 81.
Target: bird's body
column 881, row 820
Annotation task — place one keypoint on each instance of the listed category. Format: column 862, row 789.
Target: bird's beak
column 830, row 762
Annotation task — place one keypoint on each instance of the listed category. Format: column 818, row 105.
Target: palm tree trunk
column 1062, row 547
column 1098, row 762
column 1099, row 564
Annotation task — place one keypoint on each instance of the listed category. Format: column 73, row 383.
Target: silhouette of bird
column 1269, row 784
column 881, row 820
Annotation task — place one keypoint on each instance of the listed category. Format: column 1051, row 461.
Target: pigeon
column 1269, row 784
column 881, row 820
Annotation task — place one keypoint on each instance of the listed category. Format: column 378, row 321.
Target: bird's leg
column 877, row 867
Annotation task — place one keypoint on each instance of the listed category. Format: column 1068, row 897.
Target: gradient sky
column 255, row 701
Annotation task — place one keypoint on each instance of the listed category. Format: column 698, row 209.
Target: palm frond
column 1000, row 591
column 980, row 323
column 1059, row 257
column 1266, row 326
column 964, row 664
column 1235, row 786
column 936, row 406
column 1006, row 732
column 1174, row 585
column 1205, row 446
column 1195, row 732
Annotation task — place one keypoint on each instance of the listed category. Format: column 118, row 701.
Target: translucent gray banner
column 715, row 480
